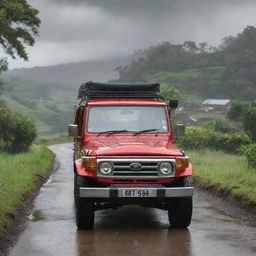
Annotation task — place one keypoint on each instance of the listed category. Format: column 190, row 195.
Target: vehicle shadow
column 133, row 230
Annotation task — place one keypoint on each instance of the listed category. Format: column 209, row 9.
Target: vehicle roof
column 125, row 102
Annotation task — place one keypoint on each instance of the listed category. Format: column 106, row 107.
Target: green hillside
column 191, row 71
column 48, row 95
column 227, row 71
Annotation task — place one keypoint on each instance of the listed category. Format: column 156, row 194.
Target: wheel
column 83, row 206
column 180, row 208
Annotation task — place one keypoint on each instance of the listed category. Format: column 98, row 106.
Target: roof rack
column 92, row 90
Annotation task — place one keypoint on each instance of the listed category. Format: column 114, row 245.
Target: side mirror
column 173, row 103
column 180, row 130
column 73, row 130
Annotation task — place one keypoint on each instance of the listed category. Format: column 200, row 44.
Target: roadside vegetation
column 22, row 165
column 19, row 176
column 228, row 175
column 53, row 139
column 224, row 161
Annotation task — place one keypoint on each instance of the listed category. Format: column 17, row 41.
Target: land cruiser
column 124, row 153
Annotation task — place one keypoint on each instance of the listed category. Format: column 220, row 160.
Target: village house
column 217, row 105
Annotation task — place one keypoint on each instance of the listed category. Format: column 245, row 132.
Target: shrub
column 16, row 131
column 207, row 137
column 231, row 143
column 249, row 121
column 250, row 153
column 195, row 138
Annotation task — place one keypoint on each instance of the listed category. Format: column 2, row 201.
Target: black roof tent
column 92, row 90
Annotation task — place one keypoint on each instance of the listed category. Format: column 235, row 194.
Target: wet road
column 129, row 230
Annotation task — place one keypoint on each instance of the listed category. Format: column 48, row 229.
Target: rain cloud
column 77, row 30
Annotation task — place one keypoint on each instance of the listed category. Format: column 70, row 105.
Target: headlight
column 165, row 168
column 106, row 168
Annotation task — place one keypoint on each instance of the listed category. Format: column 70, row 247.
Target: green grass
column 18, row 177
column 228, row 174
column 199, row 115
column 53, row 139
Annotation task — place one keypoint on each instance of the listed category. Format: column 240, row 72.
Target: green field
column 227, row 174
column 19, row 175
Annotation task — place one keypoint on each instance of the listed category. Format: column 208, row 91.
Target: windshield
column 127, row 118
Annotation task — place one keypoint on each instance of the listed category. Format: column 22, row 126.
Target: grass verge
column 226, row 174
column 19, row 175
column 53, row 139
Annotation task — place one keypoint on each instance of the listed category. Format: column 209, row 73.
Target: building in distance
column 217, row 105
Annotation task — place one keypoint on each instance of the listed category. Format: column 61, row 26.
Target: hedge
column 203, row 137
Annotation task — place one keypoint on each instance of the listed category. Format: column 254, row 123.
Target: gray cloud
column 76, row 30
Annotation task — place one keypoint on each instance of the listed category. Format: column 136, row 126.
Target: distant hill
column 72, row 73
column 48, row 94
column 226, row 71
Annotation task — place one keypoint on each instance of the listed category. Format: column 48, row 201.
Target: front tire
column 180, row 208
column 84, row 207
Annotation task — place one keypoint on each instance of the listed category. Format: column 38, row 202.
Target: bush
column 250, row 153
column 207, row 137
column 249, row 121
column 16, row 131
column 230, row 143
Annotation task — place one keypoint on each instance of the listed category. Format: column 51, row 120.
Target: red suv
column 124, row 153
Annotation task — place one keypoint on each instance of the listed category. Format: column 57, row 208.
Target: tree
column 19, row 24
column 190, row 46
column 3, row 67
column 235, row 112
column 249, row 121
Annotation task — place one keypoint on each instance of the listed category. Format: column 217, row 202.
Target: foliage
column 207, row 137
column 169, row 92
column 17, row 183
column 226, row 173
column 250, row 153
column 249, row 121
column 17, row 132
column 3, row 67
column 246, row 113
column 19, row 24
column 235, row 112
column 224, row 72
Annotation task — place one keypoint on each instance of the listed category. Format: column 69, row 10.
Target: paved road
column 128, row 231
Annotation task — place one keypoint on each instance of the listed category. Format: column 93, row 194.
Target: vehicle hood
column 101, row 147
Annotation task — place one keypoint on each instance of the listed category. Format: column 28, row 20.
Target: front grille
column 123, row 169
column 147, row 167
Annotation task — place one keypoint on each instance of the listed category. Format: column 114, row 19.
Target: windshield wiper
column 144, row 131
column 113, row 131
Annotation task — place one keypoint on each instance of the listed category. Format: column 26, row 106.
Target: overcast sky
column 80, row 30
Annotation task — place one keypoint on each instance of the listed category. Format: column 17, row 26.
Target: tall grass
column 18, row 176
column 53, row 139
column 227, row 173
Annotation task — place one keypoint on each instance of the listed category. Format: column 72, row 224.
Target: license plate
column 138, row 193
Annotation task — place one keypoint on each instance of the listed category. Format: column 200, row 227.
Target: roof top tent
column 92, row 90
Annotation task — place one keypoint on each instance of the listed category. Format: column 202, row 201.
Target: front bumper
column 121, row 192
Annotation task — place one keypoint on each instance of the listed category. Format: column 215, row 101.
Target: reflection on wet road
column 130, row 230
